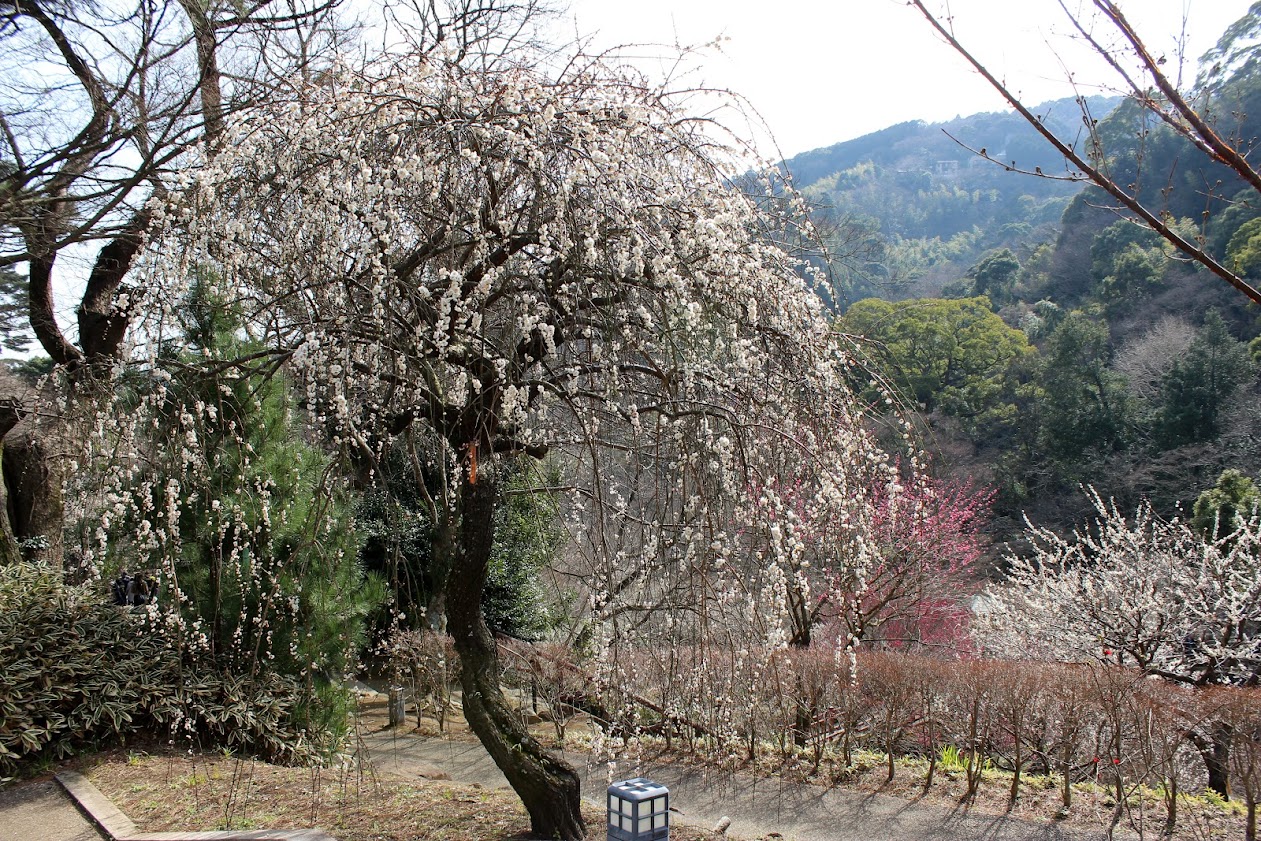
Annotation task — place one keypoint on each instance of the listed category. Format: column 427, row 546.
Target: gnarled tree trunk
column 547, row 786
column 31, row 504
column 35, row 508
column 10, row 414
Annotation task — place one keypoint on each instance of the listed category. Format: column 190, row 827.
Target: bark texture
column 1214, row 749
column 34, row 504
column 547, row 786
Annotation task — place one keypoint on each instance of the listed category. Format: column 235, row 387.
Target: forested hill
column 912, row 204
column 920, row 146
column 1047, row 342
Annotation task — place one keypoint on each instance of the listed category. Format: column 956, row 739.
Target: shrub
column 81, row 674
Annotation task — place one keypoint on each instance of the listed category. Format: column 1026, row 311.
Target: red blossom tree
column 921, row 542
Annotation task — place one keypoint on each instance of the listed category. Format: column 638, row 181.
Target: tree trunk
column 547, row 786
column 803, row 717
column 1214, row 749
column 32, row 479
column 9, row 551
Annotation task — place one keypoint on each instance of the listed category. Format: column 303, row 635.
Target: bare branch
column 1096, row 175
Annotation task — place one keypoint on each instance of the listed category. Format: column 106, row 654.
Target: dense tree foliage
column 1197, row 387
column 1137, row 380
column 1226, row 507
column 947, row 355
column 995, row 275
column 1083, row 404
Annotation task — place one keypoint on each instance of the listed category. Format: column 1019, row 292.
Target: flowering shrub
column 424, row 660
column 1137, row 591
column 1153, row 594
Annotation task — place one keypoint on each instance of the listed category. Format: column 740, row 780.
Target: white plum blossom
column 503, row 264
column 1140, row 591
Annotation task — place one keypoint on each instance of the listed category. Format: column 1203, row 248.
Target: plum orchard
column 497, row 265
column 1152, row 594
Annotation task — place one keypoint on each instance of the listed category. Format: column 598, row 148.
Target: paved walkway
column 41, row 811
column 45, row 810
column 756, row 807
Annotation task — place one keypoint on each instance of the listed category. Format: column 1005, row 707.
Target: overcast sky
column 823, row 71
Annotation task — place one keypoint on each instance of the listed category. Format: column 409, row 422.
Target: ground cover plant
column 79, row 674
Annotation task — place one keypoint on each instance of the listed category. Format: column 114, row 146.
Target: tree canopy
column 500, row 264
column 952, row 354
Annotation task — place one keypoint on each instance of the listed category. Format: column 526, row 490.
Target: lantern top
column 639, row 788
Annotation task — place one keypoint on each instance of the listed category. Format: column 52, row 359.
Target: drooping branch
column 1205, row 138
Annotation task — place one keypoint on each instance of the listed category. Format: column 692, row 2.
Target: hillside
column 1096, row 356
column 913, row 206
column 935, row 147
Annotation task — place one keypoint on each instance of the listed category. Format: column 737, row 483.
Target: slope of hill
column 921, row 146
column 913, row 207
column 1138, row 378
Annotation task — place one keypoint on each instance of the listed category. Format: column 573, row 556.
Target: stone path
column 41, row 811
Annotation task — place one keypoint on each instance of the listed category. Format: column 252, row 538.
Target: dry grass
column 1202, row 816
column 179, row 791
column 183, row 792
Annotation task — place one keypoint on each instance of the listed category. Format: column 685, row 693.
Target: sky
column 822, row 71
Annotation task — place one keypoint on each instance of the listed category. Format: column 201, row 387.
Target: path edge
column 115, row 825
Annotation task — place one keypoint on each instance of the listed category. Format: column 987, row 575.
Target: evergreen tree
column 1196, row 389
column 15, row 334
column 528, row 536
column 995, row 275
column 1227, row 506
column 243, row 523
column 1083, row 405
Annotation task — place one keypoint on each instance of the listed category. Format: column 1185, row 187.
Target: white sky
column 823, row 71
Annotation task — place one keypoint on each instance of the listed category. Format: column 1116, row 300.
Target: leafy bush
column 76, row 672
column 82, row 674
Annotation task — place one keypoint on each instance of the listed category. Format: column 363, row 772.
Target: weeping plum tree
column 506, row 263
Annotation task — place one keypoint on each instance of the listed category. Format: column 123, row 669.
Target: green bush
column 80, row 674
column 76, row 672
